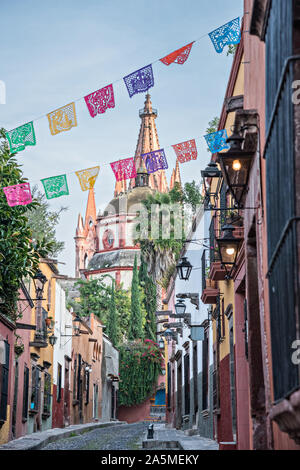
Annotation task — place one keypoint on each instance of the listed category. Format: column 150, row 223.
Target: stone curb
column 38, row 440
column 186, row 443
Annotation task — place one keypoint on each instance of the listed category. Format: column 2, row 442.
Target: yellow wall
column 227, row 287
column 46, row 354
column 4, row 430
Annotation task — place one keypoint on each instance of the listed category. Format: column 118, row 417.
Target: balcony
column 210, row 293
column 144, row 112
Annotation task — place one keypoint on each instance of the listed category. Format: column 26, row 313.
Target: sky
column 56, row 52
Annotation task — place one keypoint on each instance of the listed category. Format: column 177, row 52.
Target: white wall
column 194, row 285
column 63, row 320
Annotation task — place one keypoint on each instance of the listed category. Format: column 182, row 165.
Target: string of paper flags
column 57, row 186
column 97, row 102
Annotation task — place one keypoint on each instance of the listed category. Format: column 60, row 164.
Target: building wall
column 134, row 414
column 23, row 361
column 110, row 365
column 84, row 345
column 7, row 333
column 61, row 353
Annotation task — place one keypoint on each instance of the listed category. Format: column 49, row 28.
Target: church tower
column 147, row 142
column 105, row 244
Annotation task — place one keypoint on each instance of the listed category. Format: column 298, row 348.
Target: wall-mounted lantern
column 39, row 281
column 77, row 321
column 228, row 246
column 52, row 340
column 161, row 344
column 184, row 269
column 236, row 165
column 210, row 173
column 180, row 307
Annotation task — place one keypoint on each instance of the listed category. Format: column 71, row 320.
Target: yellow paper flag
column 62, row 119
column 87, row 177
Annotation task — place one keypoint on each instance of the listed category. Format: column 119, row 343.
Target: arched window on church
column 86, row 261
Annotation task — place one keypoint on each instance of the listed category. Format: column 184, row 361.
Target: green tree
column 112, row 320
column 19, row 257
column 213, row 125
column 95, row 297
column 140, row 366
column 136, row 320
column 149, row 301
column 43, row 222
column 232, row 49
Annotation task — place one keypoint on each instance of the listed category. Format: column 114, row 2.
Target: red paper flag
column 179, row 56
column 186, row 151
column 124, row 169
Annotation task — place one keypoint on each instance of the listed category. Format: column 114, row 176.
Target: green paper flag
column 20, row 137
column 55, row 186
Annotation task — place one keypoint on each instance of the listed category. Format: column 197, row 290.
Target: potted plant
column 19, row 346
column 48, row 321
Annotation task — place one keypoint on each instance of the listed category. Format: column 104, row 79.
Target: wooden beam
column 25, row 326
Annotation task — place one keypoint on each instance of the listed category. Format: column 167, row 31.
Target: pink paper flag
column 124, row 169
column 18, row 194
column 99, row 101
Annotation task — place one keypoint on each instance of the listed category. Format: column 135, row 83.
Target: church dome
column 123, row 203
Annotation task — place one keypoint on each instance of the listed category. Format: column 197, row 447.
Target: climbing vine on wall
column 140, row 366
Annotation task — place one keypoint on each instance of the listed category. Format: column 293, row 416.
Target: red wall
column 57, row 409
column 134, row 414
column 225, row 420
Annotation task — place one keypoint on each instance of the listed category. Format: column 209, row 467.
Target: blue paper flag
column 217, row 141
column 155, row 161
column 139, row 81
column 229, row 33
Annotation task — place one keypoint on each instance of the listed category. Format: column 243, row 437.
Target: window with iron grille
column 195, row 375
column 218, row 318
column 4, row 375
column 59, row 380
column 25, row 393
column 78, row 376
column 216, row 397
column 35, row 388
column 205, row 366
column 212, row 241
column 203, row 270
column 281, row 191
column 87, row 387
column 223, row 205
column 187, row 384
column 47, row 393
column 169, row 386
column 75, row 378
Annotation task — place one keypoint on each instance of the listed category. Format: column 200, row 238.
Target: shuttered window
column 47, row 394
column 205, row 372
column 4, row 376
column 59, row 378
column 187, row 384
column 35, row 388
column 25, row 393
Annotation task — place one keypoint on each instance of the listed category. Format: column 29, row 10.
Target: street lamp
column 161, row 344
column 52, row 339
column 77, row 322
column 236, row 164
column 228, row 246
column 180, row 307
column 39, row 281
column 184, row 269
column 211, row 172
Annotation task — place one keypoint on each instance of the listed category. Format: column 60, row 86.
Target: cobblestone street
column 131, row 437
column 124, row 437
